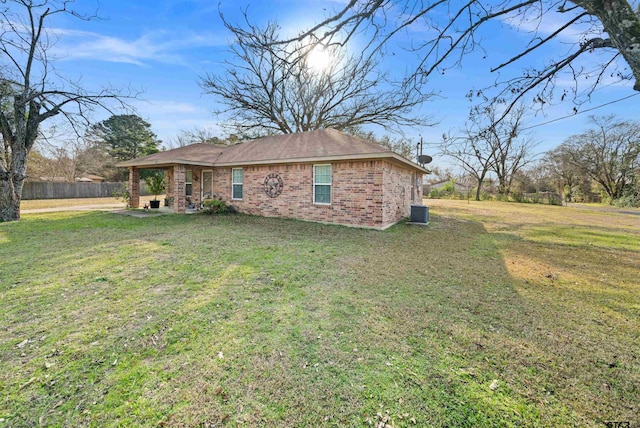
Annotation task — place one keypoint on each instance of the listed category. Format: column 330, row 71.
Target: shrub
column 546, row 198
column 520, row 198
column 486, row 196
column 434, row 194
column 216, row 206
column 627, row 201
column 446, row 193
column 124, row 195
column 555, row 199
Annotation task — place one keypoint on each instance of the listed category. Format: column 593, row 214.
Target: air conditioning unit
column 419, row 214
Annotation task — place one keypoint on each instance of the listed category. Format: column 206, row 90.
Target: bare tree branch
column 491, row 142
column 31, row 92
column 454, row 31
column 273, row 87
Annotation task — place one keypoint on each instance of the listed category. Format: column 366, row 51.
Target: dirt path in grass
column 92, row 204
column 73, row 208
column 630, row 211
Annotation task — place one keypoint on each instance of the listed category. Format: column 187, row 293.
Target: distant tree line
column 605, row 158
column 599, row 164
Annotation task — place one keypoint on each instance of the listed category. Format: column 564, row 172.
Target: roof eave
column 413, row 165
column 317, row 159
column 161, row 163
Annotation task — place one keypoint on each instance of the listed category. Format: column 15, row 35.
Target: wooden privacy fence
column 53, row 190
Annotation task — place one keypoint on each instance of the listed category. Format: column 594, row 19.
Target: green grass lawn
column 494, row 315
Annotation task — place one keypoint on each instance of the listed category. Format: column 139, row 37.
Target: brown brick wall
column 134, row 187
column 179, row 176
column 360, row 196
column 196, row 183
column 364, row 193
column 398, row 184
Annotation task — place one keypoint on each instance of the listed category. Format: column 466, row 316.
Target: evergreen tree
column 125, row 137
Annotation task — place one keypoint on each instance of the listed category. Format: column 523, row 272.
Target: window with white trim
column 188, row 183
column 236, row 183
column 322, row 184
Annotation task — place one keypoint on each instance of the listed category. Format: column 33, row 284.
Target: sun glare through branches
column 319, row 59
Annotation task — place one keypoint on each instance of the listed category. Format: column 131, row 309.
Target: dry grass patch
column 69, row 204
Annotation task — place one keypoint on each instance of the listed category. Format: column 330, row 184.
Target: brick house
column 323, row 175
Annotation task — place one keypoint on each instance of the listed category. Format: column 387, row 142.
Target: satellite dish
column 423, row 159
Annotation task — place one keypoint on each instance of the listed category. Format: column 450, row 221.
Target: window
column 236, row 183
column 322, row 184
column 188, row 182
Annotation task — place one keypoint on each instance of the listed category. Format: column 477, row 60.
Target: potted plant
column 156, row 186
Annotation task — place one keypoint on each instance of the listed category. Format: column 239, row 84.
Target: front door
column 207, row 185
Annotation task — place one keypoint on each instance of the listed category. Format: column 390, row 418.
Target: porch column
column 179, row 189
column 134, row 187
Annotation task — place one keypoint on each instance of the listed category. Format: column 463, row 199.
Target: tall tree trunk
column 11, row 183
column 9, row 199
column 479, row 188
column 622, row 24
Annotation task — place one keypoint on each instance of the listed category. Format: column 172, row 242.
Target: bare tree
column 400, row 145
column 439, row 175
column 472, row 152
column 71, row 160
column 512, row 149
column 92, row 158
column 541, row 177
column 491, row 143
column 610, row 31
column 31, row 92
column 274, row 87
column 63, row 163
column 569, row 179
column 202, row 135
column 609, row 153
column 39, row 165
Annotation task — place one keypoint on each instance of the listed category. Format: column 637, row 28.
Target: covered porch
column 186, row 186
column 188, row 175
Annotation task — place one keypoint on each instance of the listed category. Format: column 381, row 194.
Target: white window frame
column 330, row 184
column 234, row 183
column 188, row 182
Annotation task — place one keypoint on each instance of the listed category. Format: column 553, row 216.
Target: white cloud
column 157, row 46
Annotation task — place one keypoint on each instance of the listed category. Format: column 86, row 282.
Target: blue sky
column 163, row 46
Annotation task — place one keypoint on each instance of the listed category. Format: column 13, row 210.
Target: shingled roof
column 321, row 145
column 193, row 154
